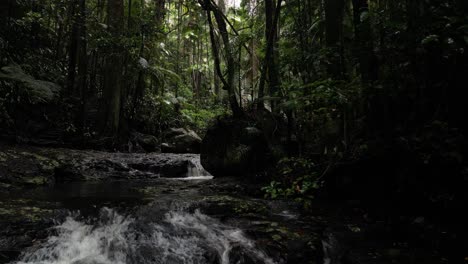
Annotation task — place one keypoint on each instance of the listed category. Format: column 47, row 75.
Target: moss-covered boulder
column 181, row 140
column 233, row 147
column 30, row 109
column 32, row 90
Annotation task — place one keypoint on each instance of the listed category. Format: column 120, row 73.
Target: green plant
column 198, row 118
column 295, row 179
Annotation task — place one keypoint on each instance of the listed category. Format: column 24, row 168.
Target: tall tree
column 363, row 40
column 272, row 16
column 113, row 69
column 229, row 83
column 334, row 10
column 77, row 53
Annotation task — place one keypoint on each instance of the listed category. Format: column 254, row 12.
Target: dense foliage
column 344, row 80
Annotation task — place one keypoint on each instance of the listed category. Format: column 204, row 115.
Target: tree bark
column 269, row 66
column 73, row 47
column 333, row 33
column 113, row 70
column 363, row 41
column 82, row 77
column 229, row 83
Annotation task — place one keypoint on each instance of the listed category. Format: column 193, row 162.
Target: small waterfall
column 332, row 249
column 196, row 171
column 178, row 237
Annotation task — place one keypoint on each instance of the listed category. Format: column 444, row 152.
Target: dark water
column 131, row 221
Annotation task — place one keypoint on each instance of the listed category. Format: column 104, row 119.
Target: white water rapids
column 177, row 237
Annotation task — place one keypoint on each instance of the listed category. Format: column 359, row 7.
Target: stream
column 62, row 206
column 182, row 219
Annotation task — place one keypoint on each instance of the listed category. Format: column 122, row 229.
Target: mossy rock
column 233, row 147
column 25, row 210
column 35, row 91
column 228, row 206
column 23, row 168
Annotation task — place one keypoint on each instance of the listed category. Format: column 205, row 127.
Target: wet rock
column 87, row 261
column 181, row 140
column 16, row 235
column 300, row 252
column 26, row 166
column 239, row 255
column 233, row 148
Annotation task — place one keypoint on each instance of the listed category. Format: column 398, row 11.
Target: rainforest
column 233, row 131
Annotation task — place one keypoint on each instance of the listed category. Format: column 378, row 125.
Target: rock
column 300, row 252
column 180, row 140
column 250, row 135
column 32, row 166
column 149, row 143
column 34, row 91
column 26, row 168
column 234, row 148
column 173, row 132
column 32, row 115
column 164, row 166
column 239, row 255
column 167, row 148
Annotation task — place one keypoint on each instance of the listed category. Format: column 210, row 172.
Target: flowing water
column 111, row 238
column 126, row 222
column 120, row 208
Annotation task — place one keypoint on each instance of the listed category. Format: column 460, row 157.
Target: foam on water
column 178, row 237
column 78, row 242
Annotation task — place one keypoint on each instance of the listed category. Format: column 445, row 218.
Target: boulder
column 181, row 140
column 233, row 147
column 31, row 108
column 148, row 143
column 32, row 90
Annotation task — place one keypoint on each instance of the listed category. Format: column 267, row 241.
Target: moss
column 36, row 91
column 35, row 180
column 5, row 185
column 3, row 157
column 235, row 156
column 45, row 163
column 24, row 209
column 238, row 205
column 11, row 154
column 276, row 237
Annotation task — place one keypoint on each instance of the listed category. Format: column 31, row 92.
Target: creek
column 181, row 219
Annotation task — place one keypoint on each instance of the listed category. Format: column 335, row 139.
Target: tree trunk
column 77, row 53
column 363, row 41
column 113, row 70
column 273, row 73
column 229, row 83
column 333, row 33
column 73, row 47
column 82, row 77
column 269, row 66
column 129, row 18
